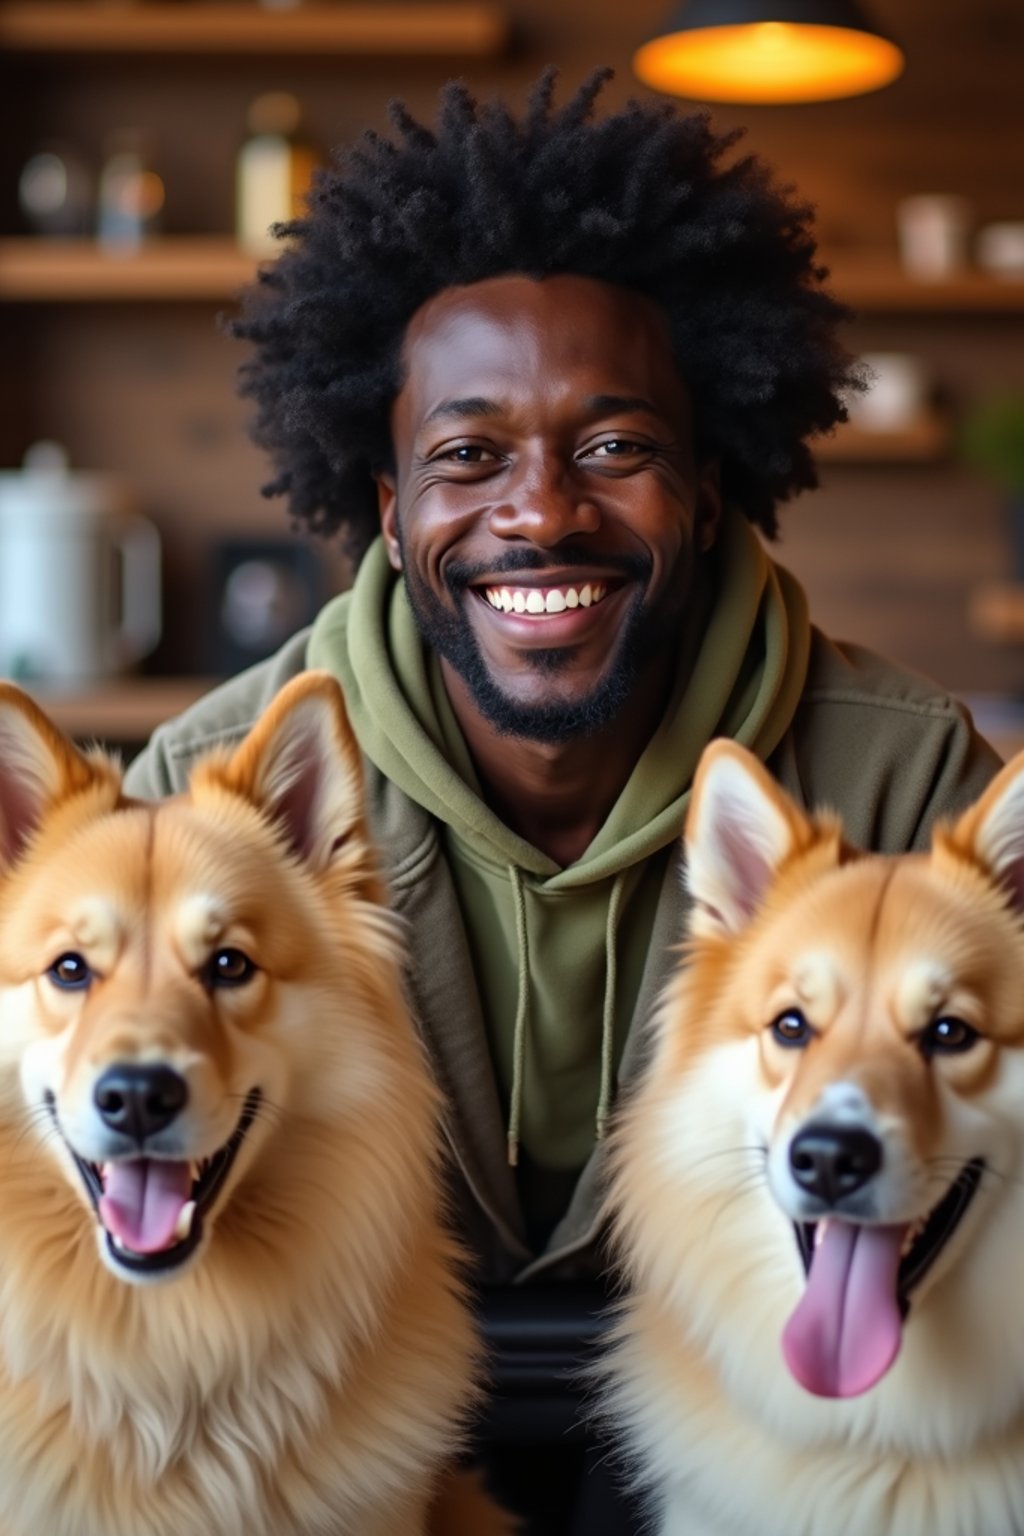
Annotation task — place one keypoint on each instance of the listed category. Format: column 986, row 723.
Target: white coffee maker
column 79, row 574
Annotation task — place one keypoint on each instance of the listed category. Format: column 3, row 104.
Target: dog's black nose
column 831, row 1161
column 140, row 1100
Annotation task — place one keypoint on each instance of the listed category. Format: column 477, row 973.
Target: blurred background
column 146, row 147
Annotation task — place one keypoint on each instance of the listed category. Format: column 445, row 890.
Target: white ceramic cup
column 897, row 393
column 933, row 231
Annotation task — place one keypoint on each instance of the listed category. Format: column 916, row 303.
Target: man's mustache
column 460, row 574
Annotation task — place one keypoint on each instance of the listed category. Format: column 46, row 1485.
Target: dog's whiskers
column 274, row 1114
column 730, row 1152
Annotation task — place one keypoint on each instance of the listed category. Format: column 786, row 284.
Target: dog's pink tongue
column 142, row 1201
column 846, row 1332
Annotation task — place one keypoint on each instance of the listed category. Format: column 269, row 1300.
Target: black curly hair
column 640, row 199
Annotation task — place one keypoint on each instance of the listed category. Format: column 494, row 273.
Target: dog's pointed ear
column 38, row 765
column 991, row 832
column 740, row 828
column 300, row 765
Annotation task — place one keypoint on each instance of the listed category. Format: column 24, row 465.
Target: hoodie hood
column 744, row 681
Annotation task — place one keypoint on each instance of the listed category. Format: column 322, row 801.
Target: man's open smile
column 541, row 602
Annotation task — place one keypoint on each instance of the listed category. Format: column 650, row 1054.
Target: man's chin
column 564, row 713
column 550, row 721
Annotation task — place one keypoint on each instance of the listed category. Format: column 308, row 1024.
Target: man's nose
column 545, row 505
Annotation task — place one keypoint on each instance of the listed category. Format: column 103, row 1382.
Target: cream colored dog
column 819, row 1188
column 228, row 1304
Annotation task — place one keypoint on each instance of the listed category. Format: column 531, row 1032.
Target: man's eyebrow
column 474, row 405
column 607, row 405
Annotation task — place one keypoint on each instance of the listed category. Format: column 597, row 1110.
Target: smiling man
column 547, row 377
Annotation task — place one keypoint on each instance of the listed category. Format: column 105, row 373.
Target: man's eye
column 617, row 448
column 70, row 972
column 467, row 453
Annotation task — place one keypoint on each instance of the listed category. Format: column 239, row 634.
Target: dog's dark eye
column 228, row 968
column 70, row 972
column 947, row 1036
column 792, row 1029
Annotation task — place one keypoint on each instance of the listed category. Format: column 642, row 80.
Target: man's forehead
column 466, row 346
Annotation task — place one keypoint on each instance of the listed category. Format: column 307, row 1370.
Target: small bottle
column 275, row 165
column 131, row 195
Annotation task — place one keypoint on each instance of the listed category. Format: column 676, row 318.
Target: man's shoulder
column 887, row 748
column 220, row 718
column 850, row 676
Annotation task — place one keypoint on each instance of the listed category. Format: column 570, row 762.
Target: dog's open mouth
column 847, row 1329
column 152, row 1209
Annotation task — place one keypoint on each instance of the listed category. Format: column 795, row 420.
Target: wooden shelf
column 127, row 710
column 880, row 285
column 921, row 443
column 212, row 267
column 180, row 267
column 467, row 28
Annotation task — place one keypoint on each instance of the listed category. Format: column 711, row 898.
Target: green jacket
column 881, row 746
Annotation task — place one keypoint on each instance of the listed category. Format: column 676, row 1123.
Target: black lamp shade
column 768, row 51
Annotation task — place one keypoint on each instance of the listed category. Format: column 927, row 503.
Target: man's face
column 546, row 506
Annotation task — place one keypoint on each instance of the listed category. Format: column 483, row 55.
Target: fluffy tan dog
column 819, row 1187
column 228, row 1304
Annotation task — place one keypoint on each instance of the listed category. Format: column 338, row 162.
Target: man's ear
column 740, row 829
column 991, row 832
column 387, row 505
column 709, row 505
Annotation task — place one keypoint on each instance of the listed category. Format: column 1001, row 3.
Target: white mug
column 933, row 230
column 79, row 574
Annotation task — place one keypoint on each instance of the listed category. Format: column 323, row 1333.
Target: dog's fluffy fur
column 304, row 1370
column 830, row 1003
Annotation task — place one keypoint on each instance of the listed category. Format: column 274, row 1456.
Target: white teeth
column 184, row 1224
column 535, row 601
column 819, row 1232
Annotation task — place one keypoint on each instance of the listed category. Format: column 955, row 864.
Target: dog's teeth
column 912, row 1234
column 119, row 1243
column 184, row 1226
column 819, row 1232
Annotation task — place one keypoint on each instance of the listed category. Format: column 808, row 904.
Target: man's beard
column 449, row 632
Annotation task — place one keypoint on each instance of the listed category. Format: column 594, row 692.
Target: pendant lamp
column 768, row 51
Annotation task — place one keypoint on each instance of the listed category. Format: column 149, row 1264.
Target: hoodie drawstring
column 604, row 1098
column 521, row 1027
column 522, row 1014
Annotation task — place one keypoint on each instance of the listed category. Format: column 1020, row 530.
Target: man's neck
column 558, row 796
